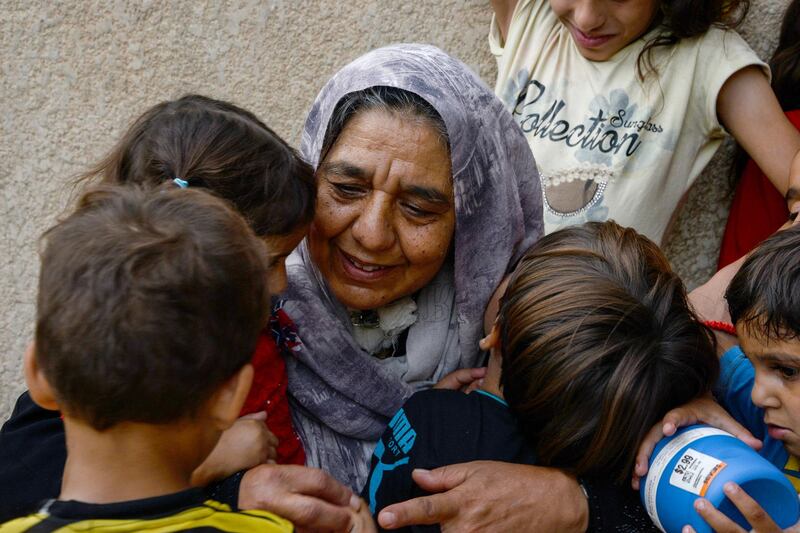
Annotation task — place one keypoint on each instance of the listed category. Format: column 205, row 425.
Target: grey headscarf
column 342, row 398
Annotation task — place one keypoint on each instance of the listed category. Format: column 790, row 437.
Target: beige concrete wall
column 75, row 73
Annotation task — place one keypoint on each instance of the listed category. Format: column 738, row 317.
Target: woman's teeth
column 365, row 267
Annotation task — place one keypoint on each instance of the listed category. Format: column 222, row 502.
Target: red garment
column 268, row 392
column 758, row 210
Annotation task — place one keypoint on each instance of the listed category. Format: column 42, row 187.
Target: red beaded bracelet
column 724, row 327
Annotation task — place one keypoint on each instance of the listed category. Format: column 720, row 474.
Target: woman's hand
column 700, row 411
column 759, row 520
column 493, row 496
column 308, row 497
column 465, row 379
column 247, row 443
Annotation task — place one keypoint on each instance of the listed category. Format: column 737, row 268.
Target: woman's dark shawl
column 342, row 398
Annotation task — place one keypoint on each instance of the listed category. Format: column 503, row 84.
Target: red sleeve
column 757, row 211
column 268, row 393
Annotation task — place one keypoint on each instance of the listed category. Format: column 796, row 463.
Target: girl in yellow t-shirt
column 624, row 102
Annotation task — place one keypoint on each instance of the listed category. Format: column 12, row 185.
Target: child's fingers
column 272, row 453
column 260, row 415
column 459, row 378
column 677, row 418
column 755, row 515
column 475, row 385
column 718, row 521
column 718, row 417
column 794, row 218
column 478, row 372
column 272, row 440
column 649, row 442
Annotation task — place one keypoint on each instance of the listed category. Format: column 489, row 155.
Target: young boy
column 149, row 308
column 760, row 382
column 594, row 341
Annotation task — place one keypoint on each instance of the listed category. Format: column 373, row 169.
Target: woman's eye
column 416, row 211
column 348, row 191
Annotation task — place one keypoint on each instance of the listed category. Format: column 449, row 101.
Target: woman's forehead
column 445, row 83
column 377, row 146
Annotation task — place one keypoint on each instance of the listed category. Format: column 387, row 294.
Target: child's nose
column 763, row 394
column 589, row 15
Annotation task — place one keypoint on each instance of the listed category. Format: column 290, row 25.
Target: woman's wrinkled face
column 601, row 28
column 385, row 213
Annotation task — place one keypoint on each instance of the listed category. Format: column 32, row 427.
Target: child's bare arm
column 503, row 9
column 246, row 444
column 749, row 109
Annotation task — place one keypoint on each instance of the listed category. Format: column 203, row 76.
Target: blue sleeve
column 733, row 389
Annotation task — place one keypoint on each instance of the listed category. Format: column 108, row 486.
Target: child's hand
column 703, row 410
column 753, row 512
column 465, row 379
column 247, row 443
column 793, row 196
column 361, row 520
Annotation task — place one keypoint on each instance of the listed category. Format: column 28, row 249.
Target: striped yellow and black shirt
column 183, row 511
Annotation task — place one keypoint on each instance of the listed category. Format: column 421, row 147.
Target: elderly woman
column 427, row 193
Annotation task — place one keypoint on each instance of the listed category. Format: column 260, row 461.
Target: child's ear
column 38, row 386
column 227, row 401
column 491, row 342
column 493, row 307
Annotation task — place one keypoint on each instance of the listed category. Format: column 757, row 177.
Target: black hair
column 764, row 296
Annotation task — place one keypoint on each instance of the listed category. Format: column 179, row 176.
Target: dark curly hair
column 683, row 19
column 764, row 296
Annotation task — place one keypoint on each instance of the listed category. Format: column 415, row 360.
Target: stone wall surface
column 73, row 74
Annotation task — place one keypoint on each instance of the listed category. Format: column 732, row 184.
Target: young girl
column 758, row 209
column 594, row 341
column 623, row 102
column 199, row 142
column 194, row 142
